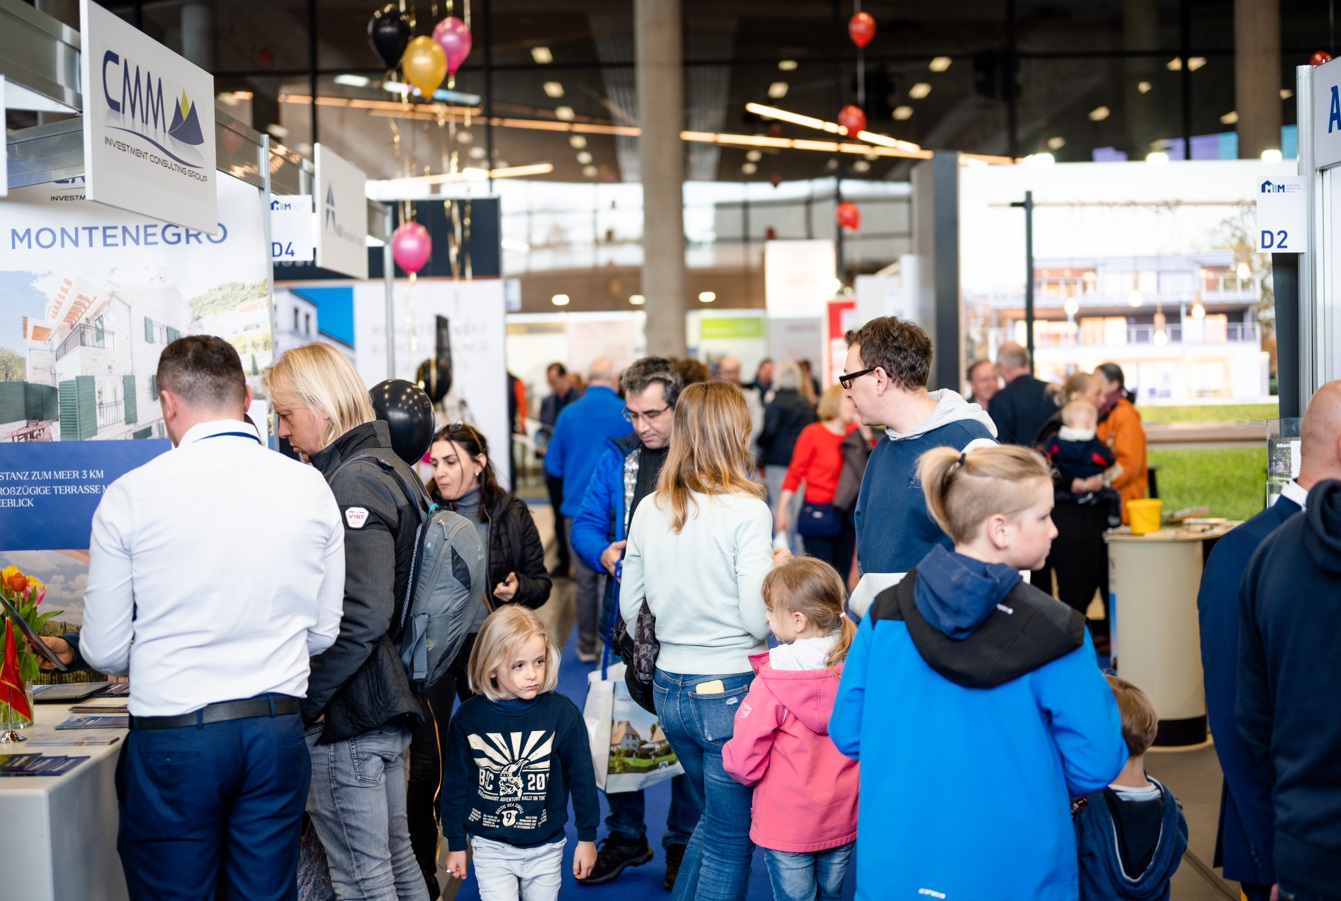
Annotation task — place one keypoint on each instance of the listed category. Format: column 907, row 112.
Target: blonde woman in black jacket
column 464, row 481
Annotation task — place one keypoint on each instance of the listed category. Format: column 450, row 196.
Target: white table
column 60, row 831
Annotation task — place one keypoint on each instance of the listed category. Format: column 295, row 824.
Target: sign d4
column 1282, row 214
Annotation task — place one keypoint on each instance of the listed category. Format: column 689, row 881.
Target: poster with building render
column 89, row 297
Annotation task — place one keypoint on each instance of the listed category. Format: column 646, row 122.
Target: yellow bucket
column 1144, row 515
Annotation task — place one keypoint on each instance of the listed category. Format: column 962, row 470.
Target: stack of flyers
column 37, row 765
column 96, row 722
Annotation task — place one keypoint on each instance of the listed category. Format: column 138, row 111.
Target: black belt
column 222, row 711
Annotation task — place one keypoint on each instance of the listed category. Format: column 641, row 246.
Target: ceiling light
column 749, row 168
column 1286, row 93
column 903, row 112
column 465, row 136
column 1039, row 159
column 477, row 153
column 1071, row 306
column 1198, row 311
column 353, row 81
column 1195, row 62
column 939, row 63
column 637, row 300
column 1056, row 143
column 559, row 300
column 277, row 130
column 861, row 166
column 1161, row 337
column 553, row 89
column 870, row 157
column 1175, row 64
column 777, row 90
column 754, row 156
column 1157, row 157
column 584, row 157
column 1229, row 118
column 1134, row 298
column 1144, row 87
column 919, row 90
column 830, row 165
column 577, row 142
column 706, row 297
column 542, row 56
column 563, row 113
column 590, row 171
column 786, row 65
column 1100, row 113
column 474, row 173
column 242, row 95
column 1271, row 156
column 1244, row 271
column 500, row 164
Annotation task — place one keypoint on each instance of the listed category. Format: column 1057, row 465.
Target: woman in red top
column 817, row 460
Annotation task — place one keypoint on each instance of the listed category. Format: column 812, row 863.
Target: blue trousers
column 628, row 814
column 214, row 808
column 716, row 864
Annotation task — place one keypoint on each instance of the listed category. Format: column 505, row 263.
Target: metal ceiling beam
column 40, row 53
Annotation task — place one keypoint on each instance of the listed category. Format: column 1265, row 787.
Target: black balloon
column 409, row 413
column 389, row 32
column 435, row 377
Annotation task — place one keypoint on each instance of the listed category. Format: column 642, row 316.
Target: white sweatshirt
column 702, row 585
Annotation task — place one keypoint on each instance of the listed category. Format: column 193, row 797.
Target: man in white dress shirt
column 215, row 570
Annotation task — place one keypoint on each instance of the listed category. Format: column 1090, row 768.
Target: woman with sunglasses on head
column 463, row 480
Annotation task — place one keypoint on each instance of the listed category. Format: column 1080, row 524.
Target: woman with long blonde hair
column 697, row 556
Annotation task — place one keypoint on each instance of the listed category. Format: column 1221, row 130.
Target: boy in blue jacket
column 1132, row 834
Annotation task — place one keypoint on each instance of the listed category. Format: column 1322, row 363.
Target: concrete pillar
column 659, row 53
column 198, row 34
column 1257, row 76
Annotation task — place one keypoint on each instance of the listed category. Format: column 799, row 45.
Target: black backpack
column 447, row 578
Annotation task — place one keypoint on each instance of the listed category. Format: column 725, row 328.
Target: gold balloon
column 424, row 64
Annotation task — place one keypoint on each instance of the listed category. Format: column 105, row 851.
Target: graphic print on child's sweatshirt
column 513, row 776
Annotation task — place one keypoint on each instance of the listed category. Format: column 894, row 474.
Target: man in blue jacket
column 579, row 439
column 1245, row 842
column 627, row 473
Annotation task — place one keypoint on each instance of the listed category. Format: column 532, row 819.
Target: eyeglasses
column 633, row 416
column 846, row 379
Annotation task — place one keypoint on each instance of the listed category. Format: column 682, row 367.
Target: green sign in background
column 731, row 327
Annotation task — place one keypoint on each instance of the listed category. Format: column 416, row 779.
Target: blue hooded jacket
column 976, row 706
column 1102, row 877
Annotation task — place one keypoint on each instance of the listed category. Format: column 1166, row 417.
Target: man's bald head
column 1320, row 436
column 602, row 372
column 728, row 370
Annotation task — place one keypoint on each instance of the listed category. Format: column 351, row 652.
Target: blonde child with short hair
column 1132, row 834
column 975, row 701
column 514, row 754
column 805, row 791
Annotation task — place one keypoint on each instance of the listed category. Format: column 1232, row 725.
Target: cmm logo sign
column 148, row 125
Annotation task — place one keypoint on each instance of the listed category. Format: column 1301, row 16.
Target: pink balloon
column 453, row 37
column 411, row 246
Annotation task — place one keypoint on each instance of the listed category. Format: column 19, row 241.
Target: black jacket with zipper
column 514, row 547
column 359, row 683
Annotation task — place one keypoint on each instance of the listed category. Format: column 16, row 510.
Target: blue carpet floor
column 642, row 882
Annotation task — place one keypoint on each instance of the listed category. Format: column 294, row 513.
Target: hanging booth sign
column 148, row 125
column 1327, row 115
column 1282, row 214
column 291, row 228
column 4, row 147
column 342, row 215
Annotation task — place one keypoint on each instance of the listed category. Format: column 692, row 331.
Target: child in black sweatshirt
column 513, row 755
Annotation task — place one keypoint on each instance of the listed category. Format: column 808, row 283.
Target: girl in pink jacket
column 805, row 796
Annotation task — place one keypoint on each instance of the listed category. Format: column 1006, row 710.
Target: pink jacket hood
column 805, row 796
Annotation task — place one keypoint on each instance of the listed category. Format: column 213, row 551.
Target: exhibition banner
column 91, row 296
column 148, row 124
column 342, row 221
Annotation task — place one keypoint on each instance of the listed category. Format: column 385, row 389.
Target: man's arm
column 109, row 599
column 556, row 452
column 331, row 594
column 591, row 533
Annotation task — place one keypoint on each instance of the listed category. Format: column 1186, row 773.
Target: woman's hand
column 506, row 590
column 1085, row 486
column 584, row 858
column 456, row 864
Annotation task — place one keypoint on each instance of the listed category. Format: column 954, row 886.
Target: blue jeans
column 811, row 876
column 357, row 803
column 215, row 807
column 628, row 814
column 716, row 864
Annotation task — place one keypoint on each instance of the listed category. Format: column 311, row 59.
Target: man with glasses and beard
column 626, row 474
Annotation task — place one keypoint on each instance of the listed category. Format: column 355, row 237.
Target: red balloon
column 848, row 216
column 775, row 179
column 852, row 118
column 861, row 28
column 1319, row 57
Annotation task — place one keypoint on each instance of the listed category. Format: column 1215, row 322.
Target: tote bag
column 628, row 749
